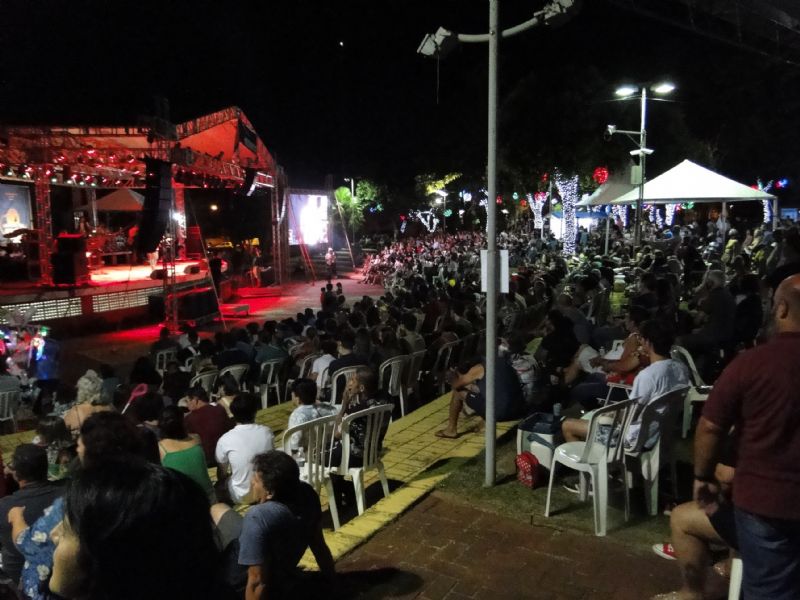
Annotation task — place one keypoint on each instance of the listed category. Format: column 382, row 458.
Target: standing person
column 277, row 531
column 236, row 449
column 330, row 260
column 757, row 393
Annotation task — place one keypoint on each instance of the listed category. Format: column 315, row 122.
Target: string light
column 766, row 205
column 670, row 214
column 536, row 202
column 568, row 190
column 621, row 213
column 427, row 218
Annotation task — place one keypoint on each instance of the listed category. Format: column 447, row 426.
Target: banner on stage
column 15, row 208
column 308, row 222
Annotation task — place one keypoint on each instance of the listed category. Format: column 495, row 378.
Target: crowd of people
column 150, row 466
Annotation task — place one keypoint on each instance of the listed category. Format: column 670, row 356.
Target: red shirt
column 209, row 422
column 759, row 393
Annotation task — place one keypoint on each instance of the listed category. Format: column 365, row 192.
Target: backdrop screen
column 310, row 217
column 15, row 208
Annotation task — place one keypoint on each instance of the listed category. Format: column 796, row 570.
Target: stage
column 114, row 294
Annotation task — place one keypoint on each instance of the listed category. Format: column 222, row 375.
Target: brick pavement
column 446, row 549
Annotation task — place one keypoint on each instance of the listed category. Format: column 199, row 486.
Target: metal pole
column 491, row 239
column 637, row 237
column 776, row 217
column 608, row 228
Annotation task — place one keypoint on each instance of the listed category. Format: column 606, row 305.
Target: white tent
column 689, row 182
column 121, row 200
column 606, row 193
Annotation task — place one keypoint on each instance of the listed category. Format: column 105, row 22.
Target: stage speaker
column 69, row 268
column 158, row 274
column 192, row 305
column 69, row 243
column 194, row 242
column 191, row 270
column 157, row 205
column 248, row 187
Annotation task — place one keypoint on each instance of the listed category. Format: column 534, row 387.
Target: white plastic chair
column 413, row 373
column 737, row 573
column 163, row 357
column 376, row 423
column 665, row 411
column 188, row 364
column 343, row 373
column 697, row 393
column 594, row 458
column 238, row 372
column 269, row 379
column 9, row 402
column 317, row 436
column 206, row 380
column 443, row 362
column 397, row 371
column 305, row 370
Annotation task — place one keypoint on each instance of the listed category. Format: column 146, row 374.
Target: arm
column 322, row 554
column 17, row 519
column 256, row 588
column 707, row 449
column 627, row 362
column 471, row 376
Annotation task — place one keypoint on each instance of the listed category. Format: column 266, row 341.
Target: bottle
column 301, row 457
column 557, row 409
column 602, row 351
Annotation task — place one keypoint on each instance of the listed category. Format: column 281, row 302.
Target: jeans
column 770, row 550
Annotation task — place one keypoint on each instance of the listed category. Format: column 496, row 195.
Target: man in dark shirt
column 230, row 355
column 209, row 421
column 347, row 358
column 29, row 468
column 757, row 393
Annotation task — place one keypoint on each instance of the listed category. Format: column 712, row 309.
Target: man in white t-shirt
column 319, row 366
column 236, row 449
column 304, row 395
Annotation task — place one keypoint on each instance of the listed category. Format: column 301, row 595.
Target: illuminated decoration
column 448, row 212
column 781, row 183
column 461, row 212
column 523, row 203
column 504, row 211
column 687, row 205
column 403, row 226
column 600, row 175
column 377, row 208
column 466, row 196
column 536, row 202
column 515, row 196
column 544, row 178
column 659, row 218
column 431, row 187
column 621, row 213
column 670, row 214
column 568, row 190
column 499, row 199
column 427, row 218
column 766, row 205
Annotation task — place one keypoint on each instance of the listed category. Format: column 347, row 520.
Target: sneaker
column 665, row 551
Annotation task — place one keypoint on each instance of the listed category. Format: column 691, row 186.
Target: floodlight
column 664, row 87
column 626, row 90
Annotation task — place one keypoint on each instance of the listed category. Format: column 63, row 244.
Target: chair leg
column 735, row 586
column 599, row 479
column 650, row 476
column 265, row 397
column 550, row 489
column 627, row 491
column 687, row 417
column 384, row 481
column 402, row 401
column 332, row 504
column 673, row 474
column 358, row 485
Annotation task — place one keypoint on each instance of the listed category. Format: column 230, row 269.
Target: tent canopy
column 689, row 182
column 121, row 200
column 606, row 193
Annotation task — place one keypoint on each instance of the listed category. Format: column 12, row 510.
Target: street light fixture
column 626, row 92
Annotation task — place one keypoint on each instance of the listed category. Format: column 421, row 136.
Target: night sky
column 368, row 108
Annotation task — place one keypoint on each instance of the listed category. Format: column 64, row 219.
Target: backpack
column 527, row 469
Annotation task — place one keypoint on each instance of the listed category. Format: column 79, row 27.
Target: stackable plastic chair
column 305, row 370
column 376, row 422
column 317, row 437
column 163, row 357
column 698, row 392
column 594, row 458
column 269, row 379
column 737, row 573
column 343, row 373
column 9, row 402
column 205, row 380
column 394, row 386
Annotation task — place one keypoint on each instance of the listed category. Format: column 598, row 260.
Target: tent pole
column 608, row 229
column 775, row 214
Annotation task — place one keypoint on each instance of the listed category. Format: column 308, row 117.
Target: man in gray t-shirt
column 277, row 531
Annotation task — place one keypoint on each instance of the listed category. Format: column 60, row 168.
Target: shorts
column 229, row 528
column 724, row 523
column 477, row 402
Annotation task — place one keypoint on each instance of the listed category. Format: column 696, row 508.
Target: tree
column 352, row 209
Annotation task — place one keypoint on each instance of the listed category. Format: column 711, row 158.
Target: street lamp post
column 436, row 45
column 626, row 92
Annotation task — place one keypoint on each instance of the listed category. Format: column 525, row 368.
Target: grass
column 513, row 500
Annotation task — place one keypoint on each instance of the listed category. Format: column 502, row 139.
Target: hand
column 705, row 493
column 451, row 376
column 16, row 515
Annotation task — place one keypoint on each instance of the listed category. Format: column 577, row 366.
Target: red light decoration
column 523, row 203
column 600, row 175
column 499, row 199
column 402, row 217
column 544, row 177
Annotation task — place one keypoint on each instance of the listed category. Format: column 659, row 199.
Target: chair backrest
column 205, row 380
column 605, row 441
column 163, row 357
column 682, row 354
column 397, row 366
column 665, row 411
column 343, row 373
column 270, row 369
column 444, row 356
column 9, row 401
column 306, row 363
column 414, row 368
column 188, row 364
column 376, row 421
column 467, row 349
column 316, row 440
column 616, row 345
column 238, row 372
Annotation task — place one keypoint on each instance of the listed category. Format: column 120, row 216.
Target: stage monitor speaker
column 157, row 205
column 192, row 305
column 158, row 274
column 194, row 242
column 69, row 268
column 192, row 270
column 69, row 243
column 267, row 277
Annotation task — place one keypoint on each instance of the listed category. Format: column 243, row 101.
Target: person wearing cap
column 29, row 469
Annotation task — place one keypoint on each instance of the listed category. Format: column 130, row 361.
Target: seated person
column 469, row 388
column 304, row 396
column 277, row 530
column 209, row 421
column 663, row 376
